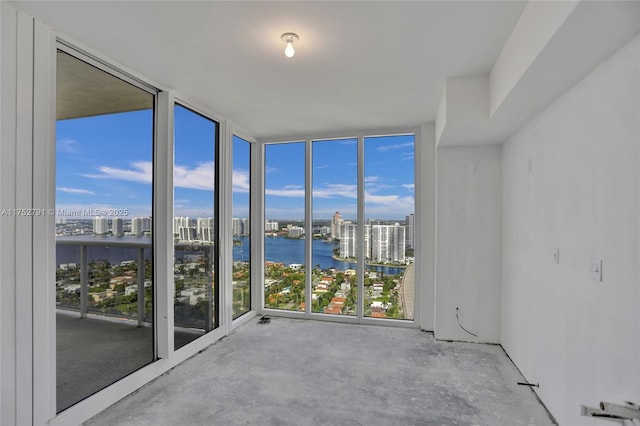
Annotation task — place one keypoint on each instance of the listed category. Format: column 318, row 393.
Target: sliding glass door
column 104, row 215
column 194, row 225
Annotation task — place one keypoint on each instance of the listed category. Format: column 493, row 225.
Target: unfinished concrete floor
column 297, row 372
column 95, row 352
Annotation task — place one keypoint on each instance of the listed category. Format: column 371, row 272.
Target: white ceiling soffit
column 553, row 46
column 358, row 65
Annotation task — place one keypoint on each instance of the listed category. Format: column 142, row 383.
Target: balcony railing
column 83, row 267
column 134, row 264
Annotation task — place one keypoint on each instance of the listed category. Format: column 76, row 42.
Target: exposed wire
column 458, row 318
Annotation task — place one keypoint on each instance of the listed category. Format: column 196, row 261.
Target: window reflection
column 194, row 226
column 104, row 267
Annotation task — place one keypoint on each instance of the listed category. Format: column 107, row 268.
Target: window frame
column 217, row 141
column 359, row 318
column 236, row 132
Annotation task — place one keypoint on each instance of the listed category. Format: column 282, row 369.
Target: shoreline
column 385, row 265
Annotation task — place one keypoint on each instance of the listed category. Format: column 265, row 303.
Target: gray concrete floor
column 296, row 372
column 95, row 352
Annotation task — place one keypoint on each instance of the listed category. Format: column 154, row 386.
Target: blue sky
column 106, row 162
column 389, row 178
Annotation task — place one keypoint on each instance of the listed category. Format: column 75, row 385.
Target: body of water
column 290, row 251
column 111, row 249
column 283, row 250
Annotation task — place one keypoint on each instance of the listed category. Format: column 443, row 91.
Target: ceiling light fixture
column 289, row 38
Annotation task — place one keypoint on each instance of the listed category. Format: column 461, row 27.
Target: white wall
column 469, row 226
column 579, row 338
column 425, row 243
column 8, row 21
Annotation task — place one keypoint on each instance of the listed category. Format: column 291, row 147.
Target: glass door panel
column 284, row 211
column 104, row 265
column 194, row 225
column 335, row 211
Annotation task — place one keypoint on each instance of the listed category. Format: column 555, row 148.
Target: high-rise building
column 100, row 225
column 207, row 235
column 140, row 225
column 117, row 226
column 185, row 233
column 409, row 220
column 367, row 241
column 205, row 229
column 382, row 243
column 387, row 243
column 235, row 226
column 336, row 224
column 179, row 222
column 348, row 240
column 271, row 226
column 295, row 231
column 240, row 226
column 324, row 230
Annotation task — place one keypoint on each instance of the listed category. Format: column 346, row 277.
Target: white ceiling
column 358, row 65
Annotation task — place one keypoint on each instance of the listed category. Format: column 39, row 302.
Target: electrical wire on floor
column 264, row 320
column 458, row 318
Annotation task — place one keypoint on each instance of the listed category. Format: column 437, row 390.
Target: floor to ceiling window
column 241, row 226
column 335, row 213
column 194, row 225
column 285, row 231
column 389, row 226
column 104, row 263
column 362, row 227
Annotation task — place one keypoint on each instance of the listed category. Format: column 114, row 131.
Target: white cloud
column 409, row 186
column 240, row 180
column 283, row 192
column 201, row 176
column 407, row 156
column 336, row 190
column 68, row 145
column 385, row 148
column 142, row 171
column 389, row 200
column 75, row 190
